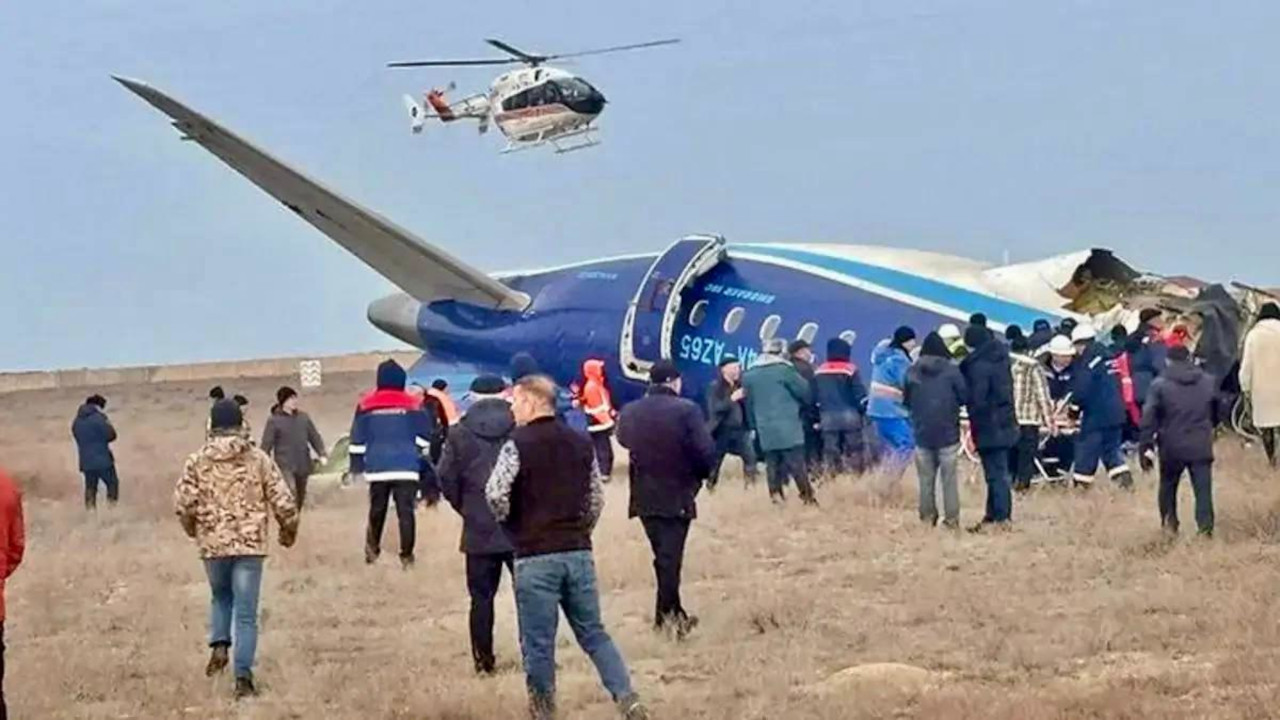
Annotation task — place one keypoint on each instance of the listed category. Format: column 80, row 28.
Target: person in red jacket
column 12, row 545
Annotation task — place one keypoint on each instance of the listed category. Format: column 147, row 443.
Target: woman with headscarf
column 1260, row 375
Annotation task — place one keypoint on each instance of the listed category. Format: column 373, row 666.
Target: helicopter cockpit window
column 535, row 95
column 572, row 89
column 550, row 93
column 519, row 101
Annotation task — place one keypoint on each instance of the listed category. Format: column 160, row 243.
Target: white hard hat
column 1084, row 332
column 949, row 331
column 1060, row 346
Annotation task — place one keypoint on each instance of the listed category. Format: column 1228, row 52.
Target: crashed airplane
column 694, row 302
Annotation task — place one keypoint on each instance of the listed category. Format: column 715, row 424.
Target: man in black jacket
column 671, row 453
column 801, row 355
column 546, row 493
column 934, row 394
column 469, row 455
column 842, row 402
column 992, row 420
column 1180, row 415
column 727, row 421
column 94, row 434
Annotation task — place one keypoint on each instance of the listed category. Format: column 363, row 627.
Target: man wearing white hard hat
column 1096, row 391
column 1058, row 357
column 950, row 334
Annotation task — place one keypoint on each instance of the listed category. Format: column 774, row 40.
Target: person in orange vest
column 597, row 403
column 440, row 391
column 12, row 545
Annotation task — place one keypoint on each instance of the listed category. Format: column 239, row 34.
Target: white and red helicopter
column 532, row 106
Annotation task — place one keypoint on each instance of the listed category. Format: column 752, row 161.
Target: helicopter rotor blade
column 452, row 63
column 517, row 52
column 618, row 48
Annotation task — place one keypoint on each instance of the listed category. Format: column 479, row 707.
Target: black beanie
column 1042, row 325
column 225, row 415
column 391, row 376
column 903, row 335
column 727, row 360
column 439, row 384
column 284, row 394
column 978, row 319
column 1179, row 353
column 1013, row 332
column 976, row 336
column 523, row 365
column 838, row 350
column 488, row 385
column 796, row 346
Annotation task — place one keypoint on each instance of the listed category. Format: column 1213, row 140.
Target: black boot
column 245, row 687
column 218, row 658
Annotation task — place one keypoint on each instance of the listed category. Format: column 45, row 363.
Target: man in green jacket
column 775, row 394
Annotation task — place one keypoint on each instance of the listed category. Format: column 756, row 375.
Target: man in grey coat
column 289, row 437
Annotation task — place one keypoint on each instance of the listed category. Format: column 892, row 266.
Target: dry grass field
column 1082, row 611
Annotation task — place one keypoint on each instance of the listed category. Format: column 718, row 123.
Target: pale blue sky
column 973, row 127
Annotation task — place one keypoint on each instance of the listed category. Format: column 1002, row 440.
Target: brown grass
column 1083, row 611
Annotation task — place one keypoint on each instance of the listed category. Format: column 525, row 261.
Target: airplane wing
column 421, row 270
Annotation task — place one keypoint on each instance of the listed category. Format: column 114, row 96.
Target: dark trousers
column 1201, row 484
column 380, row 493
column 995, row 468
column 843, row 451
column 4, row 707
column 107, row 477
column 1022, row 457
column 734, row 442
column 783, row 465
column 602, row 441
column 667, row 538
column 812, row 446
column 298, row 481
column 1269, row 443
column 484, row 575
column 1058, row 456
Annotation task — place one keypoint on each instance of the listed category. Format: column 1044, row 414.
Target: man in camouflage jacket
column 223, row 499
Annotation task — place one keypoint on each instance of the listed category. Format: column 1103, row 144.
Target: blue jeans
column 546, row 584
column 995, row 468
column 235, row 582
column 934, row 467
column 897, row 442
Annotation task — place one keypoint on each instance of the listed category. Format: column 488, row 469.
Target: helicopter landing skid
column 582, row 138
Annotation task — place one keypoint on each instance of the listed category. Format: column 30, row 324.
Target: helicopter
column 533, row 106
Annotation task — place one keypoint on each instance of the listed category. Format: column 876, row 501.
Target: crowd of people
column 524, row 465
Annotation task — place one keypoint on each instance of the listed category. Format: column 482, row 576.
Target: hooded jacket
column 1096, row 390
column 391, row 434
column 841, row 396
column 227, row 491
column 934, row 395
column 1148, row 356
column 596, row 401
column 291, row 437
column 989, row 374
column 775, row 396
column 1260, row 372
column 1181, row 413
column 671, row 454
column 469, row 455
column 889, row 365
column 94, row 434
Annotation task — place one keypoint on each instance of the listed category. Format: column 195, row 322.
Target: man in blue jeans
column 226, row 492
column 545, row 491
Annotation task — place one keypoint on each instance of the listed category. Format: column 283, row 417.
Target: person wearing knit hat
column 390, row 443
column 291, row 437
column 890, row 361
column 470, row 451
column 842, row 398
column 801, row 354
column 988, row 373
column 775, row 396
column 226, row 493
column 978, row 319
column 1041, row 334
column 1097, row 391
column 934, row 394
column 727, row 421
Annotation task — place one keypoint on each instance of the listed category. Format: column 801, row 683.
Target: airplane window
column 769, row 327
column 849, row 336
column 733, row 320
column 698, row 313
column 808, row 332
